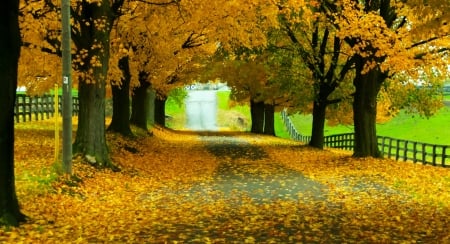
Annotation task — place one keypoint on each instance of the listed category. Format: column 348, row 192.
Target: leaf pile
column 183, row 187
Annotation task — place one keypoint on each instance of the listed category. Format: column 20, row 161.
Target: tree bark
column 318, row 124
column 151, row 96
column 269, row 120
column 365, row 112
column 9, row 58
column 257, row 116
column 160, row 110
column 90, row 136
column 139, row 103
column 120, row 121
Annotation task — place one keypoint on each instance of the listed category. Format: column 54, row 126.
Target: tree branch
column 43, row 49
column 422, row 42
column 175, row 2
column 335, row 58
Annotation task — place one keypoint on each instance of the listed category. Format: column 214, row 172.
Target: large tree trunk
column 365, row 112
column 269, row 120
column 120, row 121
column 139, row 103
column 318, row 124
column 160, row 110
column 257, row 116
column 90, row 137
column 9, row 58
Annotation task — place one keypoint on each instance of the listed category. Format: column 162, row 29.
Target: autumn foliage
column 227, row 187
column 222, row 188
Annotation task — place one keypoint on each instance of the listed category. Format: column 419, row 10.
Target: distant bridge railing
column 30, row 108
column 398, row 149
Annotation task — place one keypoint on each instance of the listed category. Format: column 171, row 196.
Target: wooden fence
column 415, row 151
column 293, row 133
column 400, row 150
column 38, row 108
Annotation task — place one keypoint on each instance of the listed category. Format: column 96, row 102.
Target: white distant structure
column 201, row 110
column 208, row 86
column 21, row 89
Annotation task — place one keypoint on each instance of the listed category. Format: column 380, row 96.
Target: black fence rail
column 405, row 150
column 293, row 133
column 340, row 141
column 29, row 108
column 398, row 149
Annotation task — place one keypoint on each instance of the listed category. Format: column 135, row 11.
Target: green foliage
column 176, row 109
column 178, row 95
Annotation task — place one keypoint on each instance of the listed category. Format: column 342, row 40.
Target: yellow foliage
column 169, row 190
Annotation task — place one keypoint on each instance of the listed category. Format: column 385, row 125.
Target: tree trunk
column 160, row 110
column 120, row 121
column 9, row 58
column 139, row 103
column 269, row 121
column 318, row 124
column 365, row 111
column 257, row 116
column 90, row 137
column 151, row 106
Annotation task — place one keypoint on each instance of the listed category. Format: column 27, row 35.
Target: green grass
column 415, row 128
column 177, row 113
column 404, row 126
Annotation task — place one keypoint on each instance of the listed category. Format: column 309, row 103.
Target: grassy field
column 404, row 126
column 176, row 113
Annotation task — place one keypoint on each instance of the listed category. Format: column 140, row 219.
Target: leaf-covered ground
column 180, row 187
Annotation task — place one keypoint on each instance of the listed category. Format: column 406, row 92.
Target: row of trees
column 320, row 57
column 124, row 44
column 334, row 57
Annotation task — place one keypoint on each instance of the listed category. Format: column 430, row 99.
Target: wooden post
column 67, row 86
column 397, row 150
column 434, row 155
column 56, row 115
column 405, row 151
column 424, row 154
column 444, row 155
column 415, row 152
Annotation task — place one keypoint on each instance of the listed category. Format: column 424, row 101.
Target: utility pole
column 66, row 87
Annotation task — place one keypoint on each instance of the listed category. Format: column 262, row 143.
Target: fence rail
column 414, row 151
column 293, row 133
column 398, row 149
column 29, row 108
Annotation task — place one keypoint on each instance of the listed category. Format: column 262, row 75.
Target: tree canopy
column 306, row 54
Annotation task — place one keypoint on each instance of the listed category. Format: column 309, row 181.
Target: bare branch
column 43, row 49
column 422, row 42
column 175, row 2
